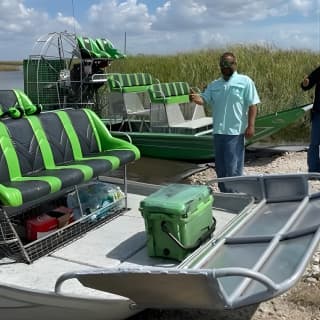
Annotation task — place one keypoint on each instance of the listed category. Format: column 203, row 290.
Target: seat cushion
column 15, row 193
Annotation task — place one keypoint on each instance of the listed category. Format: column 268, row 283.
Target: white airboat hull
column 266, row 233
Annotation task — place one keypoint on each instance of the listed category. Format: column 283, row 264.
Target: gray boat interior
column 267, row 230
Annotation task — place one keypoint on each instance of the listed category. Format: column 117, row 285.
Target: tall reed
column 277, row 73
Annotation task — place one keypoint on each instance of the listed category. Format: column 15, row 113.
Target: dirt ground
column 302, row 301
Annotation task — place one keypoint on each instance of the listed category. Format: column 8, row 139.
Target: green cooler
column 178, row 217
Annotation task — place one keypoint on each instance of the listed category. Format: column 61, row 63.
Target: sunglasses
column 226, row 64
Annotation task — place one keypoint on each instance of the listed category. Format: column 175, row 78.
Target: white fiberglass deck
column 267, row 230
column 119, row 242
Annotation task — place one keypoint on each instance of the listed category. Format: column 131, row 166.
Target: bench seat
column 90, row 50
column 169, row 92
column 107, row 46
column 130, row 82
column 44, row 153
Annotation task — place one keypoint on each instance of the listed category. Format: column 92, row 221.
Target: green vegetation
column 10, row 65
column 277, row 73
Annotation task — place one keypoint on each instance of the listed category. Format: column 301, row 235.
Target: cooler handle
column 206, row 235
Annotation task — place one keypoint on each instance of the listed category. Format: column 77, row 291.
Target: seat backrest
column 89, row 49
column 9, row 164
column 55, row 137
column 77, row 133
column 133, row 103
column 15, row 103
column 82, row 135
column 130, row 82
column 107, row 46
column 7, row 99
column 170, row 92
column 65, row 137
column 174, row 114
column 26, row 146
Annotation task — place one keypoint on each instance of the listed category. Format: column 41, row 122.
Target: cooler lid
column 179, row 198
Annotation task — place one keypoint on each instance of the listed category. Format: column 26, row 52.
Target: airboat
column 76, row 243
column 66, row 70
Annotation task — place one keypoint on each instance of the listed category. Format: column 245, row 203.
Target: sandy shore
column 302, row 301
column 268, row 162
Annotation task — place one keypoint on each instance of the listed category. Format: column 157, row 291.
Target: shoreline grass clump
column 10, row 65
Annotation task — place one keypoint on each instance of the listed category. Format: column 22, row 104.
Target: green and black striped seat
column 130, row 82
column 90, row 50
column 91, row 143
column 107, row 46
column 169, row 92
column 23, row 175
column 43, row 154
column 73, row 139
column 15, row 103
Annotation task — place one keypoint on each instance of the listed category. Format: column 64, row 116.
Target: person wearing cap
column 313, row 155
column 233, row 99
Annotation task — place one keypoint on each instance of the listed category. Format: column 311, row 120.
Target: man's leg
column 234, row 155
column 219, row 143
column 240, row 155
column 313, row 158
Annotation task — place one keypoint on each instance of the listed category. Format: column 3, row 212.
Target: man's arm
column 252, row 113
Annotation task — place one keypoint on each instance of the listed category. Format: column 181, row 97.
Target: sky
column 161, row 26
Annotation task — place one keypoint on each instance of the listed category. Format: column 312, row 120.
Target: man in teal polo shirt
column 233, row 99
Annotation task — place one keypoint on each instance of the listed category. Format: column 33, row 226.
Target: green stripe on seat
column 130, row 82
column 75, row 144
column 134, row 79
column 128, row 79
column 141, row 79
column 115, row 81
column 108, row 142
column 10, row 196
column 173, row 89
column 113, row 159
column 44, row 146
column 47, row 152
column 9, row 152
column 125, row 80
column 171, row 92
column 54, row 182
column 14, row 169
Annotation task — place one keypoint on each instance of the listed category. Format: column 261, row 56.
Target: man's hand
column 249, row 132
column 305, row 81
column 195, row 97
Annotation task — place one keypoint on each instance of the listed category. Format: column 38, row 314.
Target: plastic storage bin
column 97, row 199
column 177, row 219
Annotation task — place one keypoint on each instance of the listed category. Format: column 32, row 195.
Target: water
column 160, row 171
column 11, row 80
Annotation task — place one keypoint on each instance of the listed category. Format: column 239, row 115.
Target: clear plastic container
column 95, row 197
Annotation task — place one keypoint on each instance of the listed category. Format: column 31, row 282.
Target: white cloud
column 304, row 6
column 115, row 17
column 67, row 21
column 16, row 19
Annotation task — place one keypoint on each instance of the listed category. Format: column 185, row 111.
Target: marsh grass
column 10, row 65
column 277, row 73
